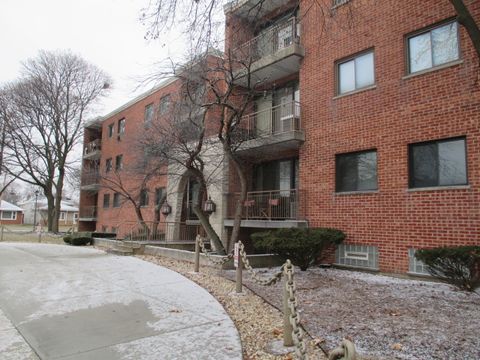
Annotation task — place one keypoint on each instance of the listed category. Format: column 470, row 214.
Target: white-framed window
column 9, row 215
column 433, row 47
column 75, row 218
column 164, row 105
column 148, row 115
column 121, row 126
column 355, row 73
column 62, row 215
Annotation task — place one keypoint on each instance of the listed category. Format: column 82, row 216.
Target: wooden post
column 197, row 256
column 239, row 277
column 1, row 239
column 287, row 327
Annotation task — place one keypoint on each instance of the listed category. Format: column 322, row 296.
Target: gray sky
column 107, row 33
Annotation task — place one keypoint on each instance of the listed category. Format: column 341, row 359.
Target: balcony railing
column 92, row 147
column 90, row 177
column 270, row 205
column 276, row 120
column 88, row 212
column 269, row 42
column 161, row 231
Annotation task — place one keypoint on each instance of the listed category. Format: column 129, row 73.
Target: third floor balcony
column 275, row 53
column 274, row 129
column 92, row 150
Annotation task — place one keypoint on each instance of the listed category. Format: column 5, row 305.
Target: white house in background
column 10, row 214
column 68, row 212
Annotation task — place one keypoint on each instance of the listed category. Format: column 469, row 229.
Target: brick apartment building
column 369, row 120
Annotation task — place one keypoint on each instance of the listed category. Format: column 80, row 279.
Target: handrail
column 92, row 147
column 275, row 38
column 278, row 119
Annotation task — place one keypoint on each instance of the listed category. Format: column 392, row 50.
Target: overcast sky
column 107, row 33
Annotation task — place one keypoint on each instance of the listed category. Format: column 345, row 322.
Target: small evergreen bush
column 81, row 241
column 458, row 265
column 302, row 246
column 79, row 238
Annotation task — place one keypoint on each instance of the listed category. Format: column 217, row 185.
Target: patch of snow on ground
column 386, row 317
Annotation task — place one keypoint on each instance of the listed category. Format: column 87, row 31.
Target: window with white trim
column 433, row 47
column 9, row 215
column 355, row 73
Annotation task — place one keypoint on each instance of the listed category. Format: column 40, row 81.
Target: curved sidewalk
column 70, row 303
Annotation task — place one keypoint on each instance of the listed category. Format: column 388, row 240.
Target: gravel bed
column 258, row 323
column 386, row 317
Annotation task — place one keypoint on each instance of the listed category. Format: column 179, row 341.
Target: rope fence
column 293, row 334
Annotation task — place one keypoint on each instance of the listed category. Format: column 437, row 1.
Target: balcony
column 88, row 213
column 275, row 129
column 92, row 150
column 273, row 54
column 90, row 180
column 269, row 209
column 249, row 9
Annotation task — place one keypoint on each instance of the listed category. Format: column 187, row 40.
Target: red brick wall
column 399, row 111
column 18, row 220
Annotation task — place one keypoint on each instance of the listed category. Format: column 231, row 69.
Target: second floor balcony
column 273, row 54
column 92, row 150
column 277, row 128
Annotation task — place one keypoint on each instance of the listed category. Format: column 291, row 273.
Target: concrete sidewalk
column 64, row 302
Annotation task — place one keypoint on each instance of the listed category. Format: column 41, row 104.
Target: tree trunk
column 51, row 209
column 58, row 200
column 466, row 19
column 239, row 206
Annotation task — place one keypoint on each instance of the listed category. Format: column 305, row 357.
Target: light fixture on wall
column 209, row 206
column 166, row 208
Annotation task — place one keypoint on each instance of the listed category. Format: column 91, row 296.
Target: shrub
column 67, row 239
column 458, row 265
column 81, row 241
column 104, row 235
column 79, row 238
column 302, row 246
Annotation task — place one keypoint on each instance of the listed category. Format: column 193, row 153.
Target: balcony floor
column 269, row 224
column 275, row 66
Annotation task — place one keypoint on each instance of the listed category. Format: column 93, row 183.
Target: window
column 104, row 229
column 434, row 47
column 119, row 162
column 62, row 216
column 159, row 193
column 148, row 117
column 108, row 165
column 9, row 215
column 106, row 201
column 116, row 200
column 339, row 2
column 356, row 171
column 360, row 256
column 355, row 73
column 438, row 163
column 110, row 130
column 144, row 197
column 121, row 126
column 164, row 105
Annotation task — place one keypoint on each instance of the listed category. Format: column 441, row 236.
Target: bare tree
column 49, row 104
column 204, row 17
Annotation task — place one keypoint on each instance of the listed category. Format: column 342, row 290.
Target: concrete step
column 121, row 252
